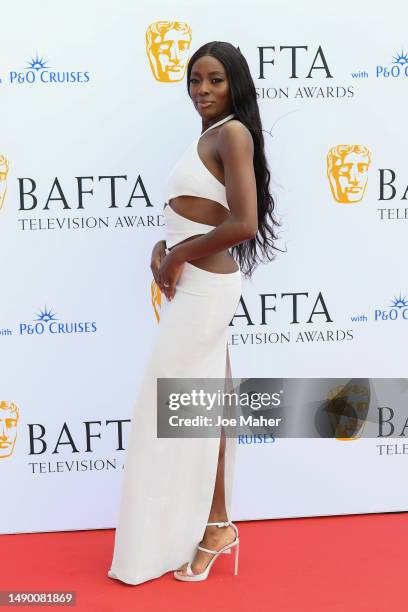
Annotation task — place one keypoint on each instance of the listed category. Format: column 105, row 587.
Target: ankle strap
column 221, row 524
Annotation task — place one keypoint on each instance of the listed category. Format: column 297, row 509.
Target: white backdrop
column 78, row 98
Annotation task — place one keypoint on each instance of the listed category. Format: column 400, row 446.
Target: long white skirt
column 168, row 483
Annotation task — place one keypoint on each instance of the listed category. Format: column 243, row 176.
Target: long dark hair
column 245, row 107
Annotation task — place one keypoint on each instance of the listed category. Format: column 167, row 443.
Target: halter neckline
column 218, row 123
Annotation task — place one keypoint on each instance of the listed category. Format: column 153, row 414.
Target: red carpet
column 327, row 564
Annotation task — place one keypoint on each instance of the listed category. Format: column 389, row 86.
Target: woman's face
column 209, row 87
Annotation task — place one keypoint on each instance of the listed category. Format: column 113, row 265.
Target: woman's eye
column 215, row 79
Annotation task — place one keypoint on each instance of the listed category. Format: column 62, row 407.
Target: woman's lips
column 204, row 104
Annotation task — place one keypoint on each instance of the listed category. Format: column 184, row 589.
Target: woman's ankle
column 221, row 518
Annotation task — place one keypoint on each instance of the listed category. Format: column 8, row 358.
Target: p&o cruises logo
column 396, row 311
column 397, row 68
column 39, row 71
column 46, row 322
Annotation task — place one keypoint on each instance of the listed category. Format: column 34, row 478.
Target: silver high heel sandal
column 191, row 577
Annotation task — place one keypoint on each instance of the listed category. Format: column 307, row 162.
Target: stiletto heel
column 191, row 577
column 236, row 559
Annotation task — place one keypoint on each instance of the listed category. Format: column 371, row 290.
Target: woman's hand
column 169, row 273
column 158, row 254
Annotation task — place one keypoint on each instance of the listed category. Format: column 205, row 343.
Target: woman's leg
column 214, row 537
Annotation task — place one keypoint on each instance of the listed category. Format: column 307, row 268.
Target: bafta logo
column 348, row 408
column 8, row 428
column 168, row 48
column 4, row 167
column 347, row 171
column 156, row 296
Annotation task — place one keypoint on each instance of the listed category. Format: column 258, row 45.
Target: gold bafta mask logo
column 4, row 167
column 347, row 171
column 156, row 296
column 348, row 406
column 9, row 415
column 168, row 48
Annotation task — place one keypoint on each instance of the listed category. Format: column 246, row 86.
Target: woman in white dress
column 177, row 492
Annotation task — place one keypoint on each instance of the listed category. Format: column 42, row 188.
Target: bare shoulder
column 234, row 134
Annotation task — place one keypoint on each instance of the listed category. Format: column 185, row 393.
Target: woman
column 176, row 496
